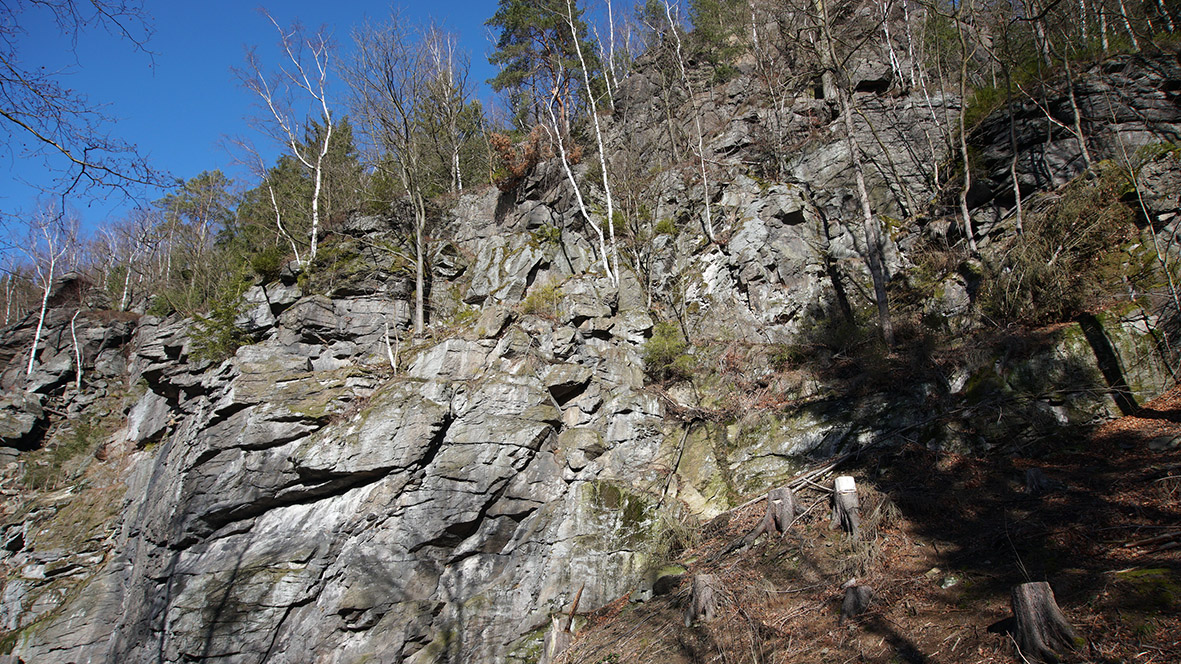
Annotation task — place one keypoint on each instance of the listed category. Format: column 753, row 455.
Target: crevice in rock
column 564, row 393
column 311, row 488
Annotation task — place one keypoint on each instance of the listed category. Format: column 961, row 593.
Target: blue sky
column 178, row 104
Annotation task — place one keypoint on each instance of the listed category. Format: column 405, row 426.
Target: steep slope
column 305, row 500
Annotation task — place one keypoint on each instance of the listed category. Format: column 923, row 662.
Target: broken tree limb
column 1040, row 629
column 1167, row 537
column 801, row 479
column 703, row 602
column 856, row 602
column 845, row 506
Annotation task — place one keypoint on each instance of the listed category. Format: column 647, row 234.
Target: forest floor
column 945, row 537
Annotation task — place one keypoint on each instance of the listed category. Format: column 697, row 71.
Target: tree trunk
column 40, row 320
column 703, row 603
column 557, row 640
column 594, row 113
column 781, row 511
column 1040, row 627
column 1036, row 482
column 965, row 214
column 77, row 352
column 845, row 506
column 420, row 258
column 708, row 221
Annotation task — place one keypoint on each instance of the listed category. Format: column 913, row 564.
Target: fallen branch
column 1167, row 537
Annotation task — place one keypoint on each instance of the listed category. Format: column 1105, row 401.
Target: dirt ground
column 945, row 538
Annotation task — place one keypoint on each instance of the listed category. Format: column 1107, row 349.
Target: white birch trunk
column 578, row 192
column 709, row 224
column 599, row 140
column 77, row 353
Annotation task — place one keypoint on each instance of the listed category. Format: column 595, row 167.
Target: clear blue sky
column 178, row 104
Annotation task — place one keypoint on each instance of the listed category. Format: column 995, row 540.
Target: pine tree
column 537, row 59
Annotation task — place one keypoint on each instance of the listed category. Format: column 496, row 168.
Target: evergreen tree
column 537, row 59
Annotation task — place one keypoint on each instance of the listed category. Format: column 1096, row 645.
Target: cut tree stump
column 558, row 638
column 845, row 506
column 781, row 511
column 703, row 602
column 1036, row 482
column 1040, row 629
column 857, row 599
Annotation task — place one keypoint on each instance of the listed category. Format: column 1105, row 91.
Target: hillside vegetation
column 407, row 400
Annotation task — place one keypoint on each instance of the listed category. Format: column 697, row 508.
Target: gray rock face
column 1126, row 102
column 300, row 498
column 20, row 413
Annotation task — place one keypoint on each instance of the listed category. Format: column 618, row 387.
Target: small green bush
column 268, row 262
column 666, row 226
column 543, row 301
column 665, row 354
column 218, row 337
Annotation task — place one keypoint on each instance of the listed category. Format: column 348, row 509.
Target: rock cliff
column 340, row 490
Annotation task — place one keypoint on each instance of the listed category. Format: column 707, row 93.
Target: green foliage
column 543, row 301
column 547, row 234
column 717, row 30
column 666, row 226
column 268, row 262
column 666, row 355
column 47, row 471
column 1065, row 262
column 218, row 337
column 535, row 51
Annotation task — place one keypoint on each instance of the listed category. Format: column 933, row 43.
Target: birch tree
column 873, row 235
column 391, row 78
column 594, row 113
column 302, row 78
column 52, row 237
column 708, row 220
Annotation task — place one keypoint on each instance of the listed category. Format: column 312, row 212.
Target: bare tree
column 303, row 75
column 52, row 237
column 17, row 288
column 873, row 234
column 556, row 129
column 391, row 77
column 254, row 161
column 41, row 120
column 708, row 221
column 449, row 94
column 965, row 59
column 594, row 112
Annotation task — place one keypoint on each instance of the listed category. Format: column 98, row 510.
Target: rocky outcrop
column 1127, row 106
column 341, row 486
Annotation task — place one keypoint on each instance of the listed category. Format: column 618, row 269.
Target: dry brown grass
column 946, row 537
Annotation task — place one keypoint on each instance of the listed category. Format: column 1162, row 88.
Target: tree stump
column 1040, row 628
column 703, row 602
column 781, row 511
column 857, row 599
column 558, row 638
column 1036, row 482
column 845, row 506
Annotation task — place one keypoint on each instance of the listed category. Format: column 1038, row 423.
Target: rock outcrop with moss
column 340, row 489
